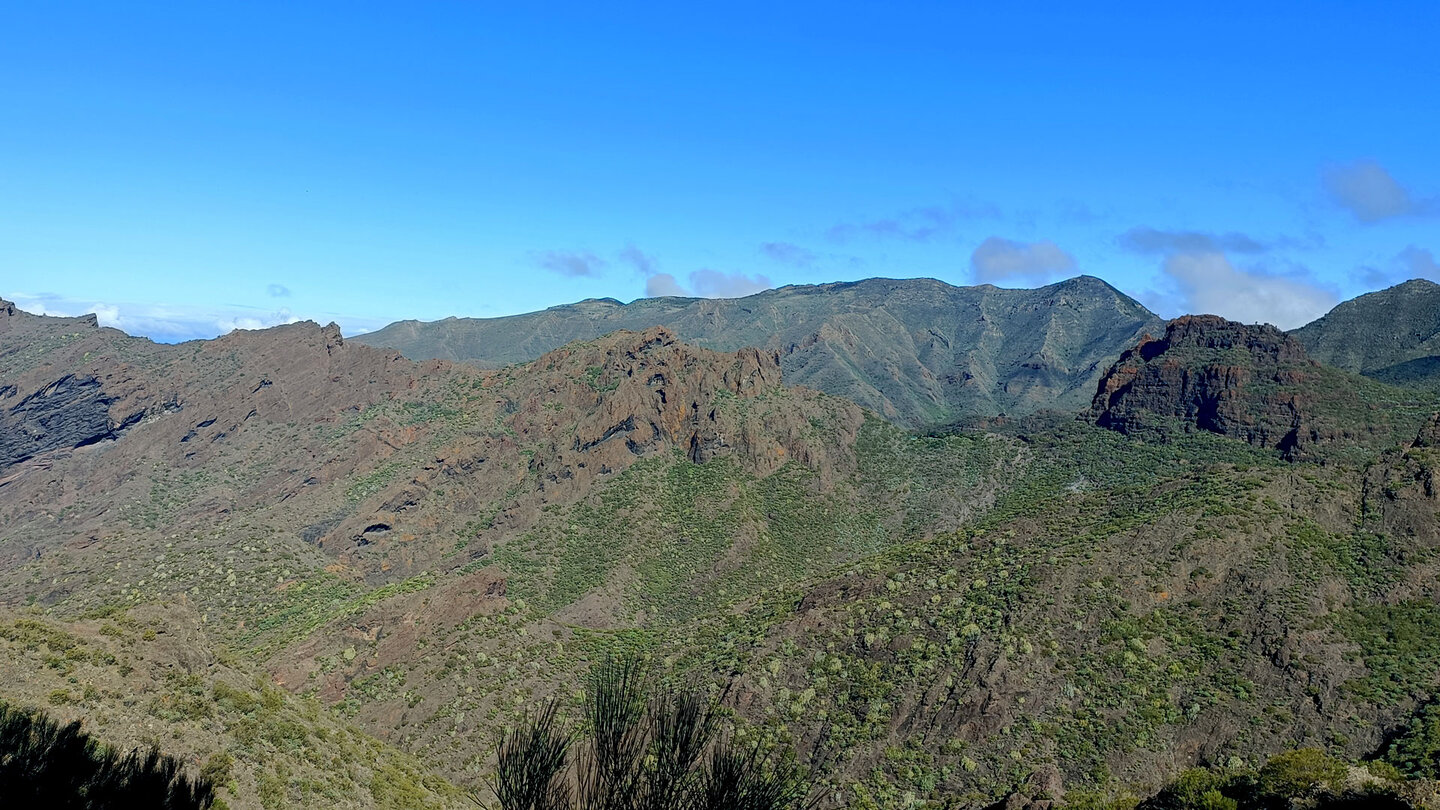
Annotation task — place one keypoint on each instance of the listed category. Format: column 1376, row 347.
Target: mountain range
column 331, row 573
column 918, row 352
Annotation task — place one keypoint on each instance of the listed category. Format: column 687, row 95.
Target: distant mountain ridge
column 917, row 351
column 1392, row 335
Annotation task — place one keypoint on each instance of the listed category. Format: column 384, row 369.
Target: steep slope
column 1127, row 611
column 152, row 676
column 344, row 446
column 919, row 352
column 1392, row 335
column 1254, row 383
column 346, row 521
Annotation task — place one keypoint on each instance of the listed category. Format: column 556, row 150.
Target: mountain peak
column 1215, row 332
column 1391, row 335
column 1416, row 285
column 589, row 304
column 1085, row 282
column 17, row 318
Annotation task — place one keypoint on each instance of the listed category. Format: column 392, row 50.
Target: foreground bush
column 641, row 748
column 46, row 765
column 1304, row 778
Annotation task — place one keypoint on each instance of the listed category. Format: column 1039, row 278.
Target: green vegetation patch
column 310, row 604
column 1400, row 645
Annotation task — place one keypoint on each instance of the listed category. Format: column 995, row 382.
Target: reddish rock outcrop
column 378, row 461
column 1253, row 383
column 587, row 412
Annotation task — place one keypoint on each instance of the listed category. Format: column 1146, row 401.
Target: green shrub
column 1400, row 645
column 1205, row 789
column 217, row 768
column 1416, row 752
column 228, row 697
column 1299, row 774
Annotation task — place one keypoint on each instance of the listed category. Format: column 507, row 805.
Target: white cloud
column 643, row 262
column 715, row 284
column 1412, row 262
column 663, row 284
column 573, row 263
column 1370, row 193
column 707, row 284
column 1419, row 263
column 787, row 253
column 999, row 259
column 162, row 322
column 228, row 323
column 277, row 291
column 1207, row 283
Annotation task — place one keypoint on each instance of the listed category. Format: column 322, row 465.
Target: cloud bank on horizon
column 171, row 323
column 706, row 283
column 1004, row 260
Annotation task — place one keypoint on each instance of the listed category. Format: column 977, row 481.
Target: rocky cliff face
column 597, row 407
column 66, row 384
column 69, row 413
column 1253, row 383
column 104, row 437
column 646, row 392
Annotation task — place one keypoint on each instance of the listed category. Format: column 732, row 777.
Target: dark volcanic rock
column 68, row 413
column 1161, row 376
column 1253, row 383
column 1429, row 435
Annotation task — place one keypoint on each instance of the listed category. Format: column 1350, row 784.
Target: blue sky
column 187, row 168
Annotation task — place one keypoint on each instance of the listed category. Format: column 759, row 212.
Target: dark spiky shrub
column 59, row 767
column 531, row 767
column 641, row 746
